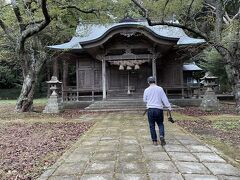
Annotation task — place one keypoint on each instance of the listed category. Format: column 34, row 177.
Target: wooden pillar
column 77, row 80
column 181, row 76
column 104, row 89
column 154, row 68
column 55, row 68
column 65, row 73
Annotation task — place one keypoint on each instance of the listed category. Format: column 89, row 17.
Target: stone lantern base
column 210, row 101
column 54, row 105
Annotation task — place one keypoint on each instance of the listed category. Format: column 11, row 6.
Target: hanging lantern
column 129, row 67
column 121, row 67
column 136, row 67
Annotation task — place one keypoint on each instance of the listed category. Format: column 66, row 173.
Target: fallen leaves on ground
column 197, row 111
column 26, row 149
column 206, row 127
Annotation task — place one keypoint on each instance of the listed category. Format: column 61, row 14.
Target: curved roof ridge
column 89, row 32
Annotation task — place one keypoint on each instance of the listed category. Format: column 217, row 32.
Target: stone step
column 117, row 104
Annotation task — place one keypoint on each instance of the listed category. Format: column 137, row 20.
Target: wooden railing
column 71, row 93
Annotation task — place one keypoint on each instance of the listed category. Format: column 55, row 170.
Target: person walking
column 155, row 99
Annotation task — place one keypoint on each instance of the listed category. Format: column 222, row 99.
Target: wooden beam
column 104, row 79
column 55, row 68
column 154, row 68
column 65, row 73
column 77, row 78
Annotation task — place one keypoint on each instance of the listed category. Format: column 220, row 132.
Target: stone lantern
column 210, row 101
column 54, row 104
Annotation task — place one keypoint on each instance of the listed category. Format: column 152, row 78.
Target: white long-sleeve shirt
column 155, row 97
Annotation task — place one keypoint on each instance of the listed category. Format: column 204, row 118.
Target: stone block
column 156, row 156
column 64, row 177
column 130, row 148
column 221, row 177
column 198, row 148
column 100, row 167
column 129, row 142
column 161, row 166
column 108, row 148
column 97, row 177
column 191, row 168
column 189, row 141
column 70, row 169
column 199, row 177
column 222, row 169
column 152, row 148
column 130, row 156
column 209, row 157
column 124, row 176
column 182, row 156
column 165, row 176
column 104, row 156
column 78, row 157
column 133, row 167
column 175, row 148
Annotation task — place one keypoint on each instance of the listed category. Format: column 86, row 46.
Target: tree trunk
column 32, row 62
column 25, row 99
column 237, row 96
column 234, row 73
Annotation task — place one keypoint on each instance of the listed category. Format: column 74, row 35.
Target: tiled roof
column 86, row 32
column 191, row 67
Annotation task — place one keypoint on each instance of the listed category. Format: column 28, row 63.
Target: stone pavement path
column 119, row 147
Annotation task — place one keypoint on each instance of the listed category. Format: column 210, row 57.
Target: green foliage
column 12, row 93
column 212, row 61
column 181, row 9
column 9, row 74
column 226, row 125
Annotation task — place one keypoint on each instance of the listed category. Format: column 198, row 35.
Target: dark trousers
column 155, row 116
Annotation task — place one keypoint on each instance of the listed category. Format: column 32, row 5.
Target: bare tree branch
column 198, row 33
column 139, row 5
column 165, row 5
column 7, row 31
column 31, row 30
column 18, row 15
column 190, row 7
column 236, row 15
column 80, row 10
column 227, row 20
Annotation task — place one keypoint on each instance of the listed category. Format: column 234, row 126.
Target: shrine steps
column 136, row 104
column 118, row 104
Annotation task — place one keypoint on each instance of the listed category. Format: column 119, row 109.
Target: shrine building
column 107, row 61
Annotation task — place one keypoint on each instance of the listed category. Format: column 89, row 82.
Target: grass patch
column 223, row 117
column 41, row 101
column 180, row 117
column 225, row 148
column 226, row 125
column 220, row 129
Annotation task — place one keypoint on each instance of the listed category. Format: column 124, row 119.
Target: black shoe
column 163, row 142
column 155, row 143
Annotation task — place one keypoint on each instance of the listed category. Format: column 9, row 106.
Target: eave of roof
column 87, row 33
column 191, row 67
